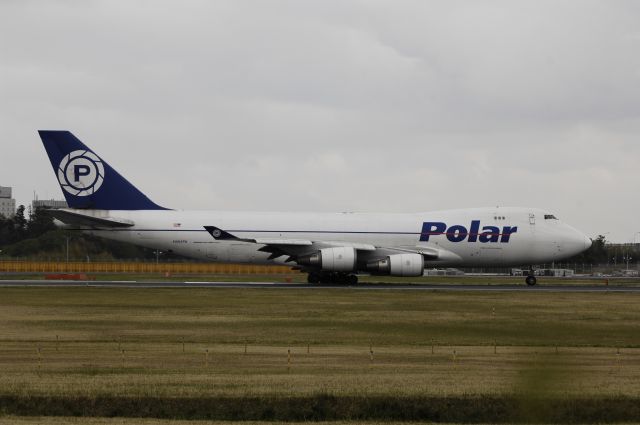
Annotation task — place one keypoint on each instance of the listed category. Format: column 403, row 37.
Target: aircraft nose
column 576, row 241
column 580, row 241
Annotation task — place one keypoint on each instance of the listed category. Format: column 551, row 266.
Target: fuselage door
column 532, row 219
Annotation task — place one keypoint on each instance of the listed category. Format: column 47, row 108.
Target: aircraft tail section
column 87, row 181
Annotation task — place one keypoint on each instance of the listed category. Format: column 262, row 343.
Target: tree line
column 19, row 227
column 34, row 235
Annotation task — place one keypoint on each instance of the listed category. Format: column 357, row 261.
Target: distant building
column 7, row 203
column 622, row 248
column 48, row 203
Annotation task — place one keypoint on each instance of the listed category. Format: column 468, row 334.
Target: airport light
column 627, row 258
column 635, row 246
column 67, row 238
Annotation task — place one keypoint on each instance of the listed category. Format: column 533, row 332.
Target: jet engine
column 339, row 259
column 398, row 265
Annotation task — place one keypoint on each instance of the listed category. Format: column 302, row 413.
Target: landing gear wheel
column 326, row 278
column 340, row 278
column 531, row 280
column 332, row 278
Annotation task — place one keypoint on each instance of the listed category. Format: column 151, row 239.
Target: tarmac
column 496, row 287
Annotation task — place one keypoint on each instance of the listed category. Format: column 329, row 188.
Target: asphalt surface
column 361, row 286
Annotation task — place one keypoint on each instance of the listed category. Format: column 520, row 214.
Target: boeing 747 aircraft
column 330, row 247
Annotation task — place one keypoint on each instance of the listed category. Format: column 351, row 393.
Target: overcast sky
column 395, row 106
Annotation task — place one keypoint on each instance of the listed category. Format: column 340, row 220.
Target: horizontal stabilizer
column 86, row 220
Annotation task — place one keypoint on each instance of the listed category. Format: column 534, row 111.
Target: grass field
column 39, row 420
column 79, row 345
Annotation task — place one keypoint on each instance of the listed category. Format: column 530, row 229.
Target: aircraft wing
column 295, row 247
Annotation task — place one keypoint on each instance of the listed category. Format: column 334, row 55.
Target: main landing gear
column 531, row 279
column 335, row 278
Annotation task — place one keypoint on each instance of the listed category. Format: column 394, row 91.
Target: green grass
column 551, row 345
column 321, row 317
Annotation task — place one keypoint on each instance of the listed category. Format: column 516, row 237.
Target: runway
column 497, row 287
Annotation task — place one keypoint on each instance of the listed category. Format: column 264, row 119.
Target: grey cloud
column 335, row 105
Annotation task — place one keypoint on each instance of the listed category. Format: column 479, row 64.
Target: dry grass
column 162, row 370
column 94, row 325
column 44, row 420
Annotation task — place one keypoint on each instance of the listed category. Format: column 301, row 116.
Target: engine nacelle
column 404, row 265
column 339, row 259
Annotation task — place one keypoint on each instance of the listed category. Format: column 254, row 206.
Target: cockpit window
column 550, row 217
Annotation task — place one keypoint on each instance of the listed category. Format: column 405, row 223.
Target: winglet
column 219, row 234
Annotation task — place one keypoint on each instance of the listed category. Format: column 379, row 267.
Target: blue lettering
column 507, row 231
column 473, row 232
column 489, row 234
column 457, row 233
column 429, row 229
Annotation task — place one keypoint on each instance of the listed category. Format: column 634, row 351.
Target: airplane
column 330, row 247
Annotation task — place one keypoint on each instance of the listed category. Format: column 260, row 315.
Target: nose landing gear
column 531, row 278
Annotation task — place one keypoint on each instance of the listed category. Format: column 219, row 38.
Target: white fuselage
column 524, row 236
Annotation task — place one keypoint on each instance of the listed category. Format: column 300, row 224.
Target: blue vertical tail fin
column 86, row 180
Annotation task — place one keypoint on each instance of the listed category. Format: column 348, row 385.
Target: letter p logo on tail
column 81, row 173
column 86, row 180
